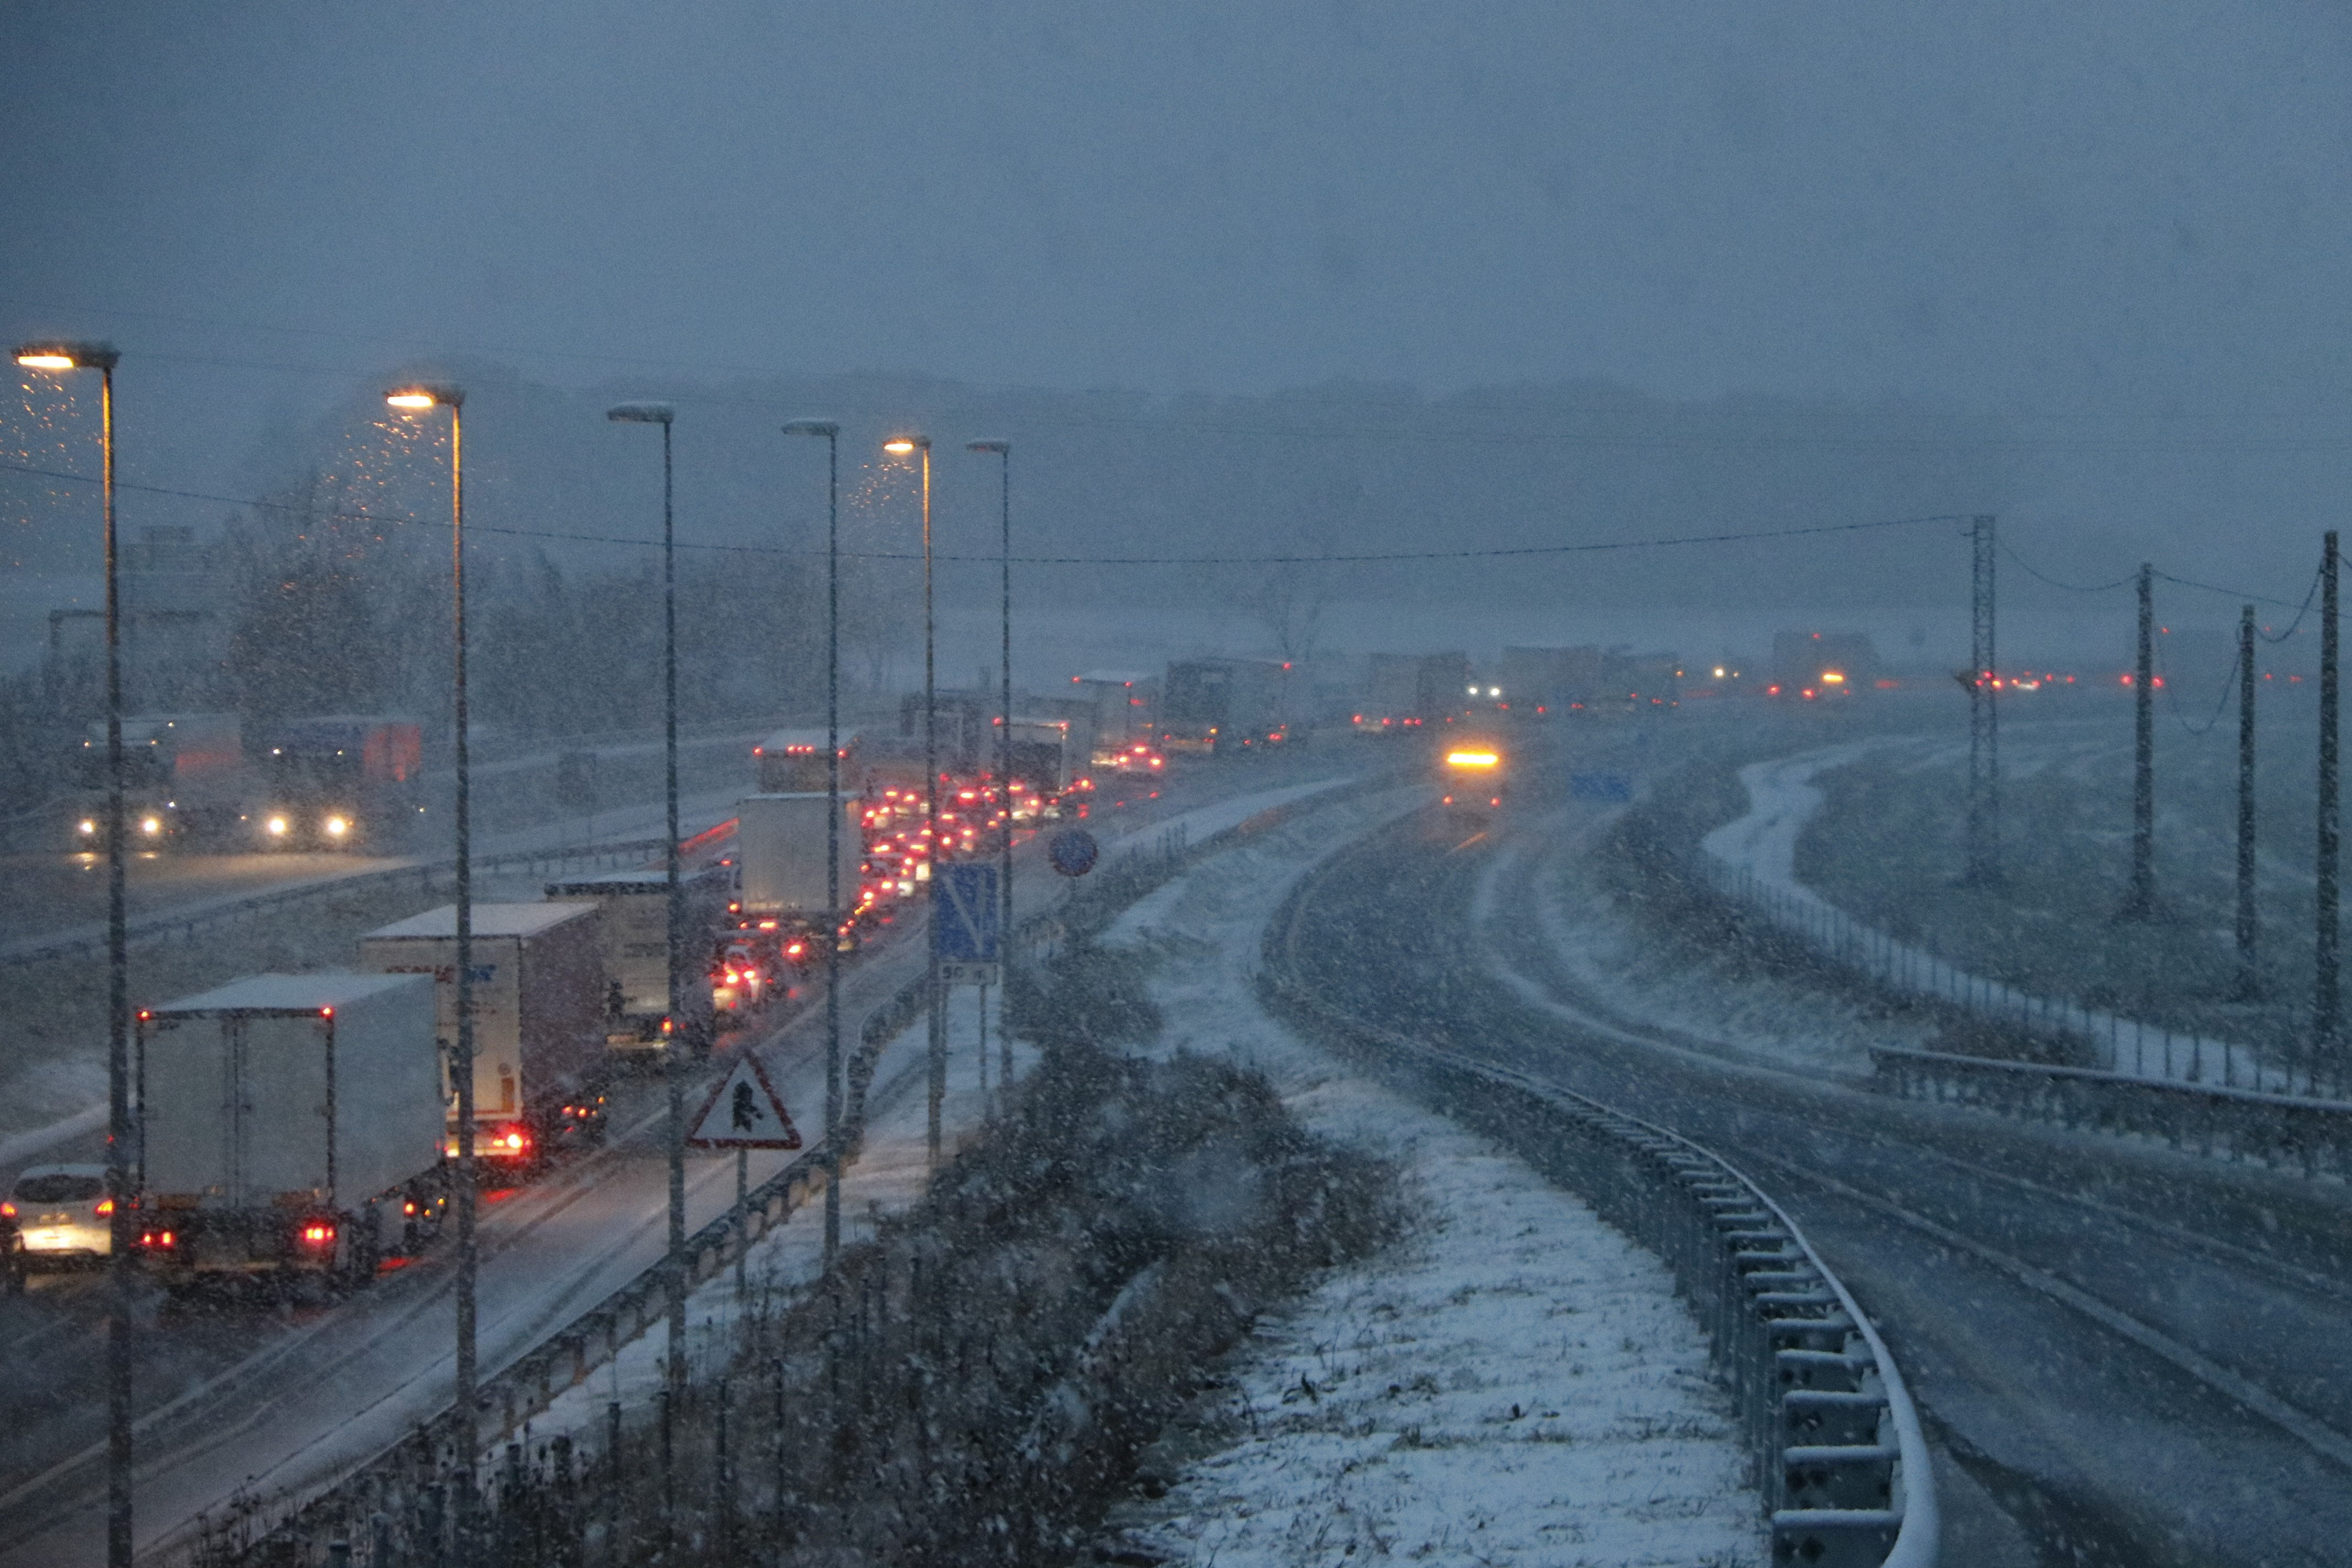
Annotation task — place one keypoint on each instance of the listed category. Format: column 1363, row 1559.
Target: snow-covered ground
column 1760, row 847
column 1513, row 1382
column 1618, row 974
column 891, row 1175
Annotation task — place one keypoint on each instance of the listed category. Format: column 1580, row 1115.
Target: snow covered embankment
column 1754, row 859
column 1513, row 1381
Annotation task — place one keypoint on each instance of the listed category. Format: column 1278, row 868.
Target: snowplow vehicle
column 1473, row 770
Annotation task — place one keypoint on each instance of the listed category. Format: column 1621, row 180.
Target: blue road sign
column 1073, row 852
column 966, row 913
column 1600, row 786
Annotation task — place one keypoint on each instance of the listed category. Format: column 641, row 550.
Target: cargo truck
column 1551, row 681
column 780, row 844
column 539, row 1021
column 1225, row 707
column 1046, row 758
column 289, row 1124
column 1125, row 703
column 1411, row 691
column 792, row 762
column 633, row 915
column 184, row 777
column 1810, row 666
column 340, row 780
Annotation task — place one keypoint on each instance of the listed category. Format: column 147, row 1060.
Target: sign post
column 743, row 1113
column 966, row 934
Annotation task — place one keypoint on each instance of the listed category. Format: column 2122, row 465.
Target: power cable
column 2028, row 568
column 1358, row 558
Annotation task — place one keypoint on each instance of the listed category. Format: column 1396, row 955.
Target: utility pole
column 2139, row 904
column 2249, row 983
column 1984, row 715
column 2324, row 998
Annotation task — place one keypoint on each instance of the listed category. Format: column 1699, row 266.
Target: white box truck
column 289, row 1124
column 780, row 856
column 539, row 1021
column 635, row 907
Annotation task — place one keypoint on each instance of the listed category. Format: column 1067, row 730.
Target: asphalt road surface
column 235, row 1388
column 2141, row 1355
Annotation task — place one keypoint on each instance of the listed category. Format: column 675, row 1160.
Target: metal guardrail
column 1831, row 1429
column 2287, row 1131
column 2189, row 1092
column 425, row 874
column 2126, row 1047
column 526, row 1387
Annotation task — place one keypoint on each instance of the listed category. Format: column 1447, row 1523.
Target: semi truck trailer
column 635, row 928
column 1225, row 707
column 792, row 762
column 1409, row 691
column 539, row 1021
column 289, row 1124
column 780, row 844
column 184, row 778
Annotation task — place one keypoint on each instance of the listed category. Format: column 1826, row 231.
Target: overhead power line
column 1360, row 557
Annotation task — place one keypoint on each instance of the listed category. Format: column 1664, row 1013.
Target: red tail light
column 318, row 1234
column 158, row 1239
column 105, row 1208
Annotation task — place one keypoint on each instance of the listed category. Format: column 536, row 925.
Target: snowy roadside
column 1513, row 1381
column 1712, row 1002
column 891, row 1172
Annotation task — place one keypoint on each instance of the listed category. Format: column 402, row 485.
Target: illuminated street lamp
column 1003, row 451
column 831, row 432
column 663, row 414
column 900, row 446
column 60, row 357
column 421, row 399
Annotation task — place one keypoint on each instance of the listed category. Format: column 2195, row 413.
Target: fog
column 1377, row 275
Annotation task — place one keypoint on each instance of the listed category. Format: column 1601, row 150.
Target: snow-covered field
column 1760, row 845
column 1513, row 1382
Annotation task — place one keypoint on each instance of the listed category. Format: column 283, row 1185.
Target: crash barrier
column 1832, row 1434
column 426, row 877
column 2287, row 1131
column 2125, row 1047
column 426, row 1463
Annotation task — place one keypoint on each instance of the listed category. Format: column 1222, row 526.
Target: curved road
column 2141, row 1355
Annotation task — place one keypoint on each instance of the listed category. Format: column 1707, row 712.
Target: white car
column 61, row 1213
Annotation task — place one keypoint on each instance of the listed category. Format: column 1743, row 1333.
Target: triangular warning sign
column 744, row 1112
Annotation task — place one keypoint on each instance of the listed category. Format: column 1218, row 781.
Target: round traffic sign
column 1073, row 852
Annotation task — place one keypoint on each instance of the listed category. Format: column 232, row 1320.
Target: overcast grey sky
column 2127, row 220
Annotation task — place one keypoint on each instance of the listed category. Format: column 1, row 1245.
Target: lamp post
column 420, row 399
column 663, row 414
column 903, row 446
column 831, row 432
column 101, row 357
column 1004, row 450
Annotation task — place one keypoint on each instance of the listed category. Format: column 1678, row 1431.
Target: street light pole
column 1004, row 450
column 936, row 1018
column 832, row 434
column 417, row 399
column 663, row 414
column 102, row 358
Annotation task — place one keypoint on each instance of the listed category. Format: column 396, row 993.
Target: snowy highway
column 265, row 1398
column 2137, row 1354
